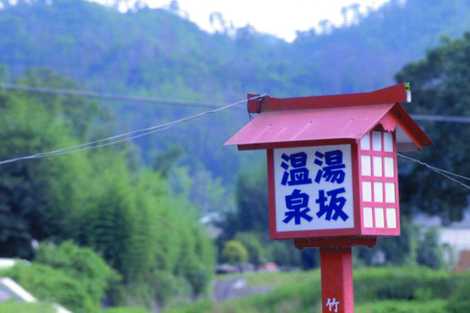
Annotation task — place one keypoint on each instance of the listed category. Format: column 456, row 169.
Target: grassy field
column 262, row 279
column 377, row 290
column 13, row 307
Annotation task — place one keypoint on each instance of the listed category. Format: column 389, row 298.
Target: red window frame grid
column 372, row 204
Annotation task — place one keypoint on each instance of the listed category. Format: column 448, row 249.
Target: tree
column 234, row 252
column 440, row 86
column 429, row 251
column 256, row 251
column 39, row 199
column 399, row 250
column 252, row 206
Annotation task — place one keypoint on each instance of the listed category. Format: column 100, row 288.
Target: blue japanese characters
column 313, row 188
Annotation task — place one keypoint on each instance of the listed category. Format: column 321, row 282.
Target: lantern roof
column 322, row 118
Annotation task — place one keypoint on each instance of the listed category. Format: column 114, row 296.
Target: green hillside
column 157, row 53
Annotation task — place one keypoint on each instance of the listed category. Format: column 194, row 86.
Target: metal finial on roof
column 408, row 92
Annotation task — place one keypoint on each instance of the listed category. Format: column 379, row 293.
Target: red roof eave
column 307, row 125
column 326, row 118
column 410, row 127
column 392, row 94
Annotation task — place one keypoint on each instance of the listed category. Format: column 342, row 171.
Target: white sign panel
column 313, row 187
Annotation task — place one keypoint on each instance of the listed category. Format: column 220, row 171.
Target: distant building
column 268, row 267
column 455, row 238
column 463, row 262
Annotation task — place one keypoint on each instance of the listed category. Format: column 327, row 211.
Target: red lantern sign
column 332, row 173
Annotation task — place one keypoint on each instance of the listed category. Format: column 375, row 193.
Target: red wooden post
column 336, row 280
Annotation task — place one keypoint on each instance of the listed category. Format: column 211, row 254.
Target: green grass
column 280, row 278
column 403, row 306
column 125, row 310
column 14, row 307
column 377, row 290
column 271, row 279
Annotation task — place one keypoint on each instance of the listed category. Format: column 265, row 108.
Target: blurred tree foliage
column 75, row 277
column 234, row 252
column 440, row 86
column 459, row 302
column 256, row 253
column 399, row 250
column 248, row 223
column 81, row 264
column 106, row 200
column 39, row 199
column 53, row 285
column 429, row 252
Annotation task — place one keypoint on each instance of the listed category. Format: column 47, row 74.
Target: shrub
column 126, row 310
column 429, row 252
column 405, row 283
column 460, row 300
column 52, row 285
column 256, row 251
column 403, row 307
column 82, row 264
column 234, row 252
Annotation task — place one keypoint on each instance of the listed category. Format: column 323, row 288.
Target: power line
column 98, row 95
column 158, row 101
column 122, row 137
column 134, row 134
column 434, row 167
column 447, row 174
column 442, row 118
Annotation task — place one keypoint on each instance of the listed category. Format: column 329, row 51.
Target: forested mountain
column 158, row 53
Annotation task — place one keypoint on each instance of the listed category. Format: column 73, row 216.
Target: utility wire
column 447, row 174
column 115, row 97
column 122, row 137
column 442, row 118
column 434, row 167
column 98, row 95
column 134, row 134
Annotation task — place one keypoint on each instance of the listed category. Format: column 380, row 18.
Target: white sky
column 279, row 17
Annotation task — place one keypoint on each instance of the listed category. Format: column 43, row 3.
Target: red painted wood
column 271, row 194
column 345, row 242
column 392, row 94
column 355, row 187
column 287, row 144
column 396, row 177
column 316, row 118
column 310, row 124
column 336, row 280
column 413, row 130
column 372, row 204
